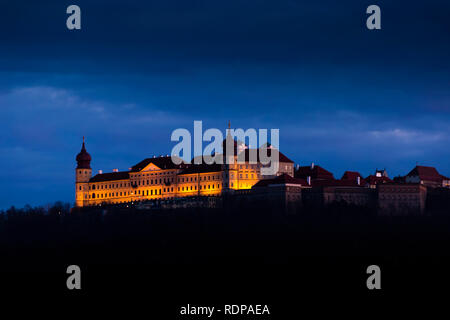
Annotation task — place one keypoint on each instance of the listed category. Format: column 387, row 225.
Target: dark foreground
column 162, row 260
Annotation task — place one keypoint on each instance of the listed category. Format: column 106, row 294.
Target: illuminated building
column 159, row 178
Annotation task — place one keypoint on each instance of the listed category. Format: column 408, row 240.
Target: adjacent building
column 401, row 198
column 427, row 176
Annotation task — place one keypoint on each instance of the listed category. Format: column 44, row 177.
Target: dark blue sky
column 341, row 95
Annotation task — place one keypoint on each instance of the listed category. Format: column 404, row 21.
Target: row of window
column 194, row 178
column 150, row 192
column 249, row 166
column 241, row 176
column 152, row 182
column 193, row 188
column 153, row 174
column 399, row 197
column 124, row 194
column 167, row 180
column 108, row 186
column 400, row 190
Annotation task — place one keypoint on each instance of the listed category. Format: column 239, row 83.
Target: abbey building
column 159, row 178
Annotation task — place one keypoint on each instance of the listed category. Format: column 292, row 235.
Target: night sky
column 342, row 96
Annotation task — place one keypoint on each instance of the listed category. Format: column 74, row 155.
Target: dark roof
column 351, row 175
column 160, row 162
column 426, row 173
column 337, row 183
column 281, row 156
column 201, row 168
column 111, row 176
column 83, row 158
column 238, row 144
column 315, row 172
column 399, row 179
column 373, row 179
column 282, row 179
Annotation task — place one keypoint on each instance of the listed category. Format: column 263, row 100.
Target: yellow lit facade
column 159, row 178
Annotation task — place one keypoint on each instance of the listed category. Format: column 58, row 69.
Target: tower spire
column 229, row 129
column 83, row 158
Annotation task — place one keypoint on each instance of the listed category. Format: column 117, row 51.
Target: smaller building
column 353, row 176
column 284, row 193
column 379, row 177
column 313, row 173
column 401, row 198
column 427, row 176
column 325, row 192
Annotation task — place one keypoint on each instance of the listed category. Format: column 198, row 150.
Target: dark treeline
column 254, row 249
column 191, row 235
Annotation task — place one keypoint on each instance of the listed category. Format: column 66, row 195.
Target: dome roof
column 83, row 155
column 83, row 158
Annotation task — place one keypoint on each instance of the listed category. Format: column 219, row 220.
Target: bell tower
column 83, row 174
column 229, row 147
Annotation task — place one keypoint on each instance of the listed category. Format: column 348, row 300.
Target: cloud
column 41, row 130
column 41, row 110
column 344, row 140
column 406, row 136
